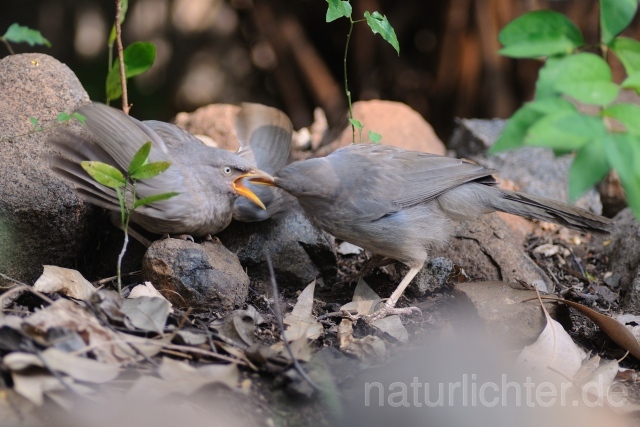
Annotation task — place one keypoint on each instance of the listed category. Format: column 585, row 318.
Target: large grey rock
column 41, row 219
column 487, row 251
column 300, row 251
column 624, row 258
column 205, row 277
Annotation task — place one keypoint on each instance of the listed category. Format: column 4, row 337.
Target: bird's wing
column 393, row 178
column 265, row 136
column 116, row 137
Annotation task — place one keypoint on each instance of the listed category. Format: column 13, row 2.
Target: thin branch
column 123, row 79
column 278, row 313
column 6, row 42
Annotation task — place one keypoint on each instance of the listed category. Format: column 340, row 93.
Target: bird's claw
column 389, row 309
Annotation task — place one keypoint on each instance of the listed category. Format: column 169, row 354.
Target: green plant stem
column 42, row 129
column 346, row 84
column 125, row 228
column 6, row 42
column 123, row 77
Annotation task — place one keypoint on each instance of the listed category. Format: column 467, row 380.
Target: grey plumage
column 401, row 204
column 203, row 176
column 265, row 142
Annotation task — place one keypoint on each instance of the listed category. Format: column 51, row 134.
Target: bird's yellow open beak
column 260, row 177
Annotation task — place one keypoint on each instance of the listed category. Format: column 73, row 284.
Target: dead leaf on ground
column 146, row 313
column 366, row 301
column 301, row 322
column 64, row 281
column 367, row 349
column 179, row 377
column 610, row 326
column 238, row 327
column 553, row 355
column 147, row 289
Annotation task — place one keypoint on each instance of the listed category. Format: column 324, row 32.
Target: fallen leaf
column 65, row 281
column 346, row 248
column 300, row 322
column 553, row 355
column 368, row 349
column 147, row 289
column 238, row 327
column 146, row 313
column 610, row 326
column 366, row 301
column 78, row 368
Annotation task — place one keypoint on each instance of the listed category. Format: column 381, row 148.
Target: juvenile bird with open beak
column 208, row 179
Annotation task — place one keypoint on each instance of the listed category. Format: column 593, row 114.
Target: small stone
column 205, row 277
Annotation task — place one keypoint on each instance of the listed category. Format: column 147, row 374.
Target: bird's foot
column 389, row 308
column 178, row 236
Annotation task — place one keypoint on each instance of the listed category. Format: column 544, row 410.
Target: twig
column 278, row 313
column 123, row 79
column 109, row 279
column 6, row 42
column 342, row 313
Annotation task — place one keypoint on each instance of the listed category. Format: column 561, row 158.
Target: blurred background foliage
column 282, row 53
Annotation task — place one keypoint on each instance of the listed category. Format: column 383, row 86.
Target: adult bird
column 403, row 204
column 208, row 179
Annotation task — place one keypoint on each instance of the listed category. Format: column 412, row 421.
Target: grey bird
column 265, row 142
column 208, row 180
column 402, row 204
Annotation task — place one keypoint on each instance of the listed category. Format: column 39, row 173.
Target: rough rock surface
column 432, row 277
column 41, row 219
column 624, row 258
column 398, row 124
column 300, row 252
column 487, row 251
column 206, row 277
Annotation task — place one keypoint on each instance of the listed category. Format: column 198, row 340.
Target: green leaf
column 380, row 25
column 138, row 58
column 63, row 117
column 19, row 34
column 149, row 170
column 375, row 137
column 79, row 117
column 565, row 131
column 627, row 114
column 356, row 123
column 588, row 168
column 34, row 121
column 632, row 82
column 140, row 158
column 123, row 208
column 623, row 152
column 584, row 76
column 516, row 128
column 628, row 52
column 539, row 33
column 338, row 9
column 615, row 15
column 104, row 174
column 154, row 198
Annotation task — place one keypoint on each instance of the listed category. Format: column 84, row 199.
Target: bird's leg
column 389, row 306
column 179, row 237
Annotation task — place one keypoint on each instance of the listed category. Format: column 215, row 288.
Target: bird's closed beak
column 260, row 177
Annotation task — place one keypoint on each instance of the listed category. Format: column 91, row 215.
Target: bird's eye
column 226, row 170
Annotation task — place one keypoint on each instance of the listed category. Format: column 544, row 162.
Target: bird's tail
column 536, row 207
column 473, row 199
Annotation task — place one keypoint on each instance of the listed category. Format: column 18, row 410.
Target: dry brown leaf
column 146, row 313
column 107, row 345
column 78, row 368
column 367, row 349
column 300, row 322
column 65, row 281
column 147, row 289
column 610, row 326
column 554, row 354
column 365, row 301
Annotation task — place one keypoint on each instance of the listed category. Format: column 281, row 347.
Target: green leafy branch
column 379, row 24
column 125, row 187
column 605, row 135
column 20, row 34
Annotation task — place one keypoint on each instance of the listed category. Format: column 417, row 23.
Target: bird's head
column 235, row 172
